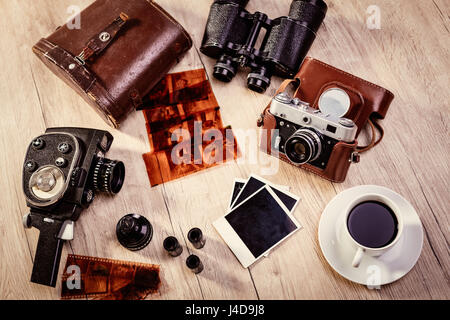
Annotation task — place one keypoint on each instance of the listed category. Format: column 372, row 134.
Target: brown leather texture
column 367, row 100
column 144, row 42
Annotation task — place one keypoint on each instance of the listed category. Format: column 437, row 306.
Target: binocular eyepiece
column 231, row 34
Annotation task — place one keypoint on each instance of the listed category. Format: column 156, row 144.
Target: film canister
column 196, row 237
column 194, row 263
column 134, row 232
column 172, row 246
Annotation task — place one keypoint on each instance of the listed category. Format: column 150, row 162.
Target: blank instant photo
column 238, row 185
column 255, row 183
column 257, row 225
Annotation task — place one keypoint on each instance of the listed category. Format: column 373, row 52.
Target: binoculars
column 231, row 34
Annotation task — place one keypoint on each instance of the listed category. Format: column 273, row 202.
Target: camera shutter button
column 283, row 98
column 346, row 122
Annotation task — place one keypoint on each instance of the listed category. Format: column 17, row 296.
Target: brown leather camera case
column 122, row 50
column 369, row 103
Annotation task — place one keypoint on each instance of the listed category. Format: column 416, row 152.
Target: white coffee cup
column 361, row 250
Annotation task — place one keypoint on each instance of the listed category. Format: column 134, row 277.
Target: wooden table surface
column 409, row 55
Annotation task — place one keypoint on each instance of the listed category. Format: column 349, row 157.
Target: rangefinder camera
column 63, row 170
column 306, row 135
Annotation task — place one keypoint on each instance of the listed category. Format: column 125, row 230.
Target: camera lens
column 134, row 232
column 259, row 80
column 225, row 68
column 109, row 175
column 303, row 147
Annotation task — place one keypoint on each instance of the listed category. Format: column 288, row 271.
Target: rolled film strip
column 106, row 279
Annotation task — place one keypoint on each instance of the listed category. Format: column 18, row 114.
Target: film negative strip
column 176, row 88
column 173, row 164
column 96, row 278
column 172, row 133
column 187, row 134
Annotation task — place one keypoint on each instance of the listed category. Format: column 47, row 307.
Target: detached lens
column 303, row 147
column 109, row 175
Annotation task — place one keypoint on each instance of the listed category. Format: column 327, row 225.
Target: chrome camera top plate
column 329, row 124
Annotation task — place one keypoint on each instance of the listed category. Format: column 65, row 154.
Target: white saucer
column 339, row 251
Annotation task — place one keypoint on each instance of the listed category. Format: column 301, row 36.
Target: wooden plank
column 409, row 55
column 21, row 120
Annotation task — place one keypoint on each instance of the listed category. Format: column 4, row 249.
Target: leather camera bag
column 122, row 49
column 368, row 104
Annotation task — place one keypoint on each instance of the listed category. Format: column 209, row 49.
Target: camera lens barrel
column 109, row 175
column 134, row 232
column 303, row 146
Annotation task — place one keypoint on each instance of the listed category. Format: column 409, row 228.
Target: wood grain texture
column 409, row 55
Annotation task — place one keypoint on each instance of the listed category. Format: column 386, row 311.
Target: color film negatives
column 185, row 128
column 106, row 279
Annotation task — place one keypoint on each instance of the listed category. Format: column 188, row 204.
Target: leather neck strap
column 374, row 126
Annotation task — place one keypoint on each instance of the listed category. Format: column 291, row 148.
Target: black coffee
column 372, row 224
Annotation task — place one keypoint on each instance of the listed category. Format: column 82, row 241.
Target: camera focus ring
column 303, row 146
column 108, row 175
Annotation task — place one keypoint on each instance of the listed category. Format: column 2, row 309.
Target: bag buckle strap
column 101, row 41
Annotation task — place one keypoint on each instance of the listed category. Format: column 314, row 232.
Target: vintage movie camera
column 63, row 170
